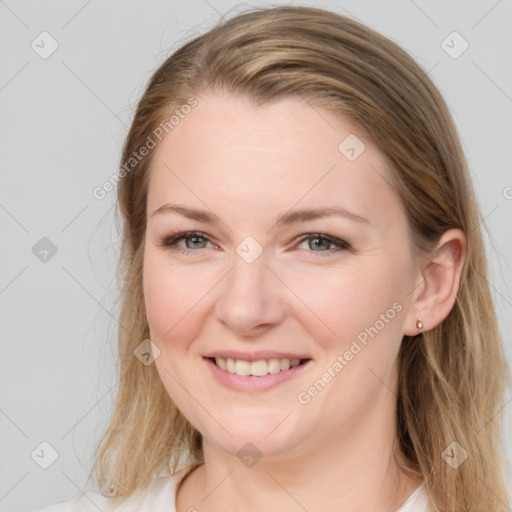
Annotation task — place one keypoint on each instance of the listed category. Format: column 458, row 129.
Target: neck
column 356, row 470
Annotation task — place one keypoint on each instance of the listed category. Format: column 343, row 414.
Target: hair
column 452, row 378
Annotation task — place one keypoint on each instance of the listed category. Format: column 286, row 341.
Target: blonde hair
column 452, row 378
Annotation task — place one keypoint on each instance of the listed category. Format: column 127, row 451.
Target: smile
column 258, row 368
column 259, row 374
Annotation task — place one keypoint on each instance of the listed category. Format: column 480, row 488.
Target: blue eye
column 318, row 241
column 196, row 240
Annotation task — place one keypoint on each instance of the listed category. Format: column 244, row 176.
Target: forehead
column 273, row 156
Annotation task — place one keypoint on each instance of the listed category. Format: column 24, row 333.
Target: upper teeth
column 258, row 368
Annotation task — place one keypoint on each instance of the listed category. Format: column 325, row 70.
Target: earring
column 419, row 323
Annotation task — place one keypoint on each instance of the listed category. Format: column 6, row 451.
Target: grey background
column 63, row 121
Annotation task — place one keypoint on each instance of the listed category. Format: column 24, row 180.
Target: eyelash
column 171, row 241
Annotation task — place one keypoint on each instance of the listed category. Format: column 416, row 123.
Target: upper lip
column 254, row 356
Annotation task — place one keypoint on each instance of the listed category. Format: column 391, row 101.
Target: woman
column 307, row 322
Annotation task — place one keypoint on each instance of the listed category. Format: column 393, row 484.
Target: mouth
column 257, row 368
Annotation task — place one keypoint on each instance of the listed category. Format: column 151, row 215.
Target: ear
column 438, row 283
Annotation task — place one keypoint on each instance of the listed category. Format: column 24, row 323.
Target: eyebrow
column 287, row 218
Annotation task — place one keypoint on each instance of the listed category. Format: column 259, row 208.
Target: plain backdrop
column 64, row 117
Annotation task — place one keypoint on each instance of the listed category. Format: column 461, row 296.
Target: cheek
column 337, row 305
column 357, row 325
column 173, row 306
column 173, row 285
column 173, row 302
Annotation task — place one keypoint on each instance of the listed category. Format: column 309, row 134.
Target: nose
column 250, row 300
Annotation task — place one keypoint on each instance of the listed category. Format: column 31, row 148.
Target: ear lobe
column 440, row 279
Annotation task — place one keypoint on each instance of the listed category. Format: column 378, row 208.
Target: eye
column 194, row 240
column 323, row 243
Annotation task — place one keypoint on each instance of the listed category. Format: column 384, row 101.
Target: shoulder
column 158, row 496
column 508, row 478
column 417, row 501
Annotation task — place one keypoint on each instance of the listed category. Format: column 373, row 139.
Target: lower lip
column 252, row 382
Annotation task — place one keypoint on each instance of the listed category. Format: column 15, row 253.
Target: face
column 242, row 279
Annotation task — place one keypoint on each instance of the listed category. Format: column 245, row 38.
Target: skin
column 248, row 165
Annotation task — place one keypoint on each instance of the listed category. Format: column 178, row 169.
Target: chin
column 268, row 436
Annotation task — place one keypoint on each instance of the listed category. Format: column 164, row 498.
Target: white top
column 160, row 496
